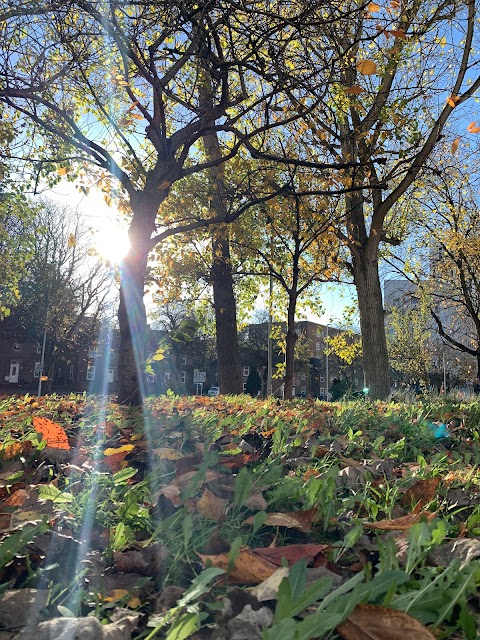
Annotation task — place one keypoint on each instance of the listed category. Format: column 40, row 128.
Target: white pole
column 326, row 367
column 444, row 375
column 269, row 349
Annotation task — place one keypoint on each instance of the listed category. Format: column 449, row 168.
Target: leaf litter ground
column 216, row 518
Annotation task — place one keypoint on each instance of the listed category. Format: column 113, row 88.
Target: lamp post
column 326, row 365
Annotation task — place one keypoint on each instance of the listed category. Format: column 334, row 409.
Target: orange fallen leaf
column 371, row 622
column 401, row 524
column 373, row 7
column 52, row 432
column 455, row 144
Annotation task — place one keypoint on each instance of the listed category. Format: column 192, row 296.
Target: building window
column 322, row 391
column 318, row 346
column 183, row 376
column 244, row 387
column 166, row 376
column 16, row 346
column 110, row 375
column 92, row 354
column 322, row 379
column 70, row 375
column 36, row 371
column 91, row 372
column 293, row 391
column 246, row 372
column 151, row 377
column 59, row 372
column 38, row 348
column 184, row 361
column 303, row 390
column 304, row 377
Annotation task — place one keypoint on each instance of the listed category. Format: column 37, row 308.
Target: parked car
column 213, row 391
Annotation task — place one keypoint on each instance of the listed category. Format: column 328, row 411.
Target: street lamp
column 326, row 364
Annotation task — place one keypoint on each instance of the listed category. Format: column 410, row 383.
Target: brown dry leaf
column 184, row 480
column 301, row 520
column 455, row 144
column 248, row 568
column 398, row 33
column 370, row 622
column 421, row 493
column 14, row 449
column 17, row 499
column 354, row 91
column 293, row 553
column 366, row 67
column 401, row 524
column 212, row 507
column 373, row 7
column 172, row 492
column 147, row 561
column 167, row 453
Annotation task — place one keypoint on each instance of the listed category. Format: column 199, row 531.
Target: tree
column 297, row 249
column 16, row 245
column 445, row 263
column 397, row 84
column 110, row 91
column 63, row 291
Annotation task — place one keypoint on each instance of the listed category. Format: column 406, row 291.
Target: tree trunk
column 372, row 324
column 291, row 339
column 228, row 359
column 132, row 318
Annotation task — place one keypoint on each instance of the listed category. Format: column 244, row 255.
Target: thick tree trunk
column 372, row 325
column 228, row 359
column 291, row 339
column 132, row 318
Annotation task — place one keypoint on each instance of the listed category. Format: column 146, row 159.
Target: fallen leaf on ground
column 421, row 493
column 293, row 553
column 401, row 524
column 301, row 520
column 52, row 432
column 369, row 622
column 212, row 507
column 249, row 567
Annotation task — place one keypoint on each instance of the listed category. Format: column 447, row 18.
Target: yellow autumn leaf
column 373, row 7
column 62, row 171
column 126, row 448
column 136, row 436
column 72, row 241
column 366, row 67
column 455, row 144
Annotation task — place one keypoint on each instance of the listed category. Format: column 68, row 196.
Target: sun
column 111, row 242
